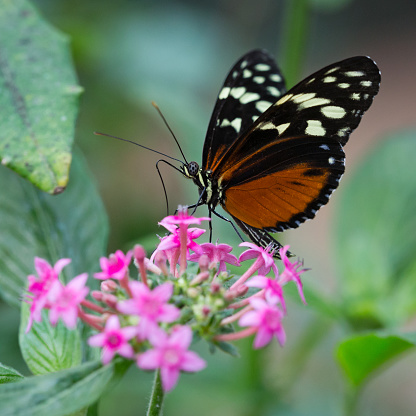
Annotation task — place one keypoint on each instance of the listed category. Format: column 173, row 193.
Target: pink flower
column 273, row 289
column 171, row 245
column 64, row 300
column 291, row 272
column 115, row 266
column 181, row 218
column 217, row 253
column 267, row 319
column 114, row 340
column 39, row 286
column 264, row 259
column 150, row 305
column 170, row 354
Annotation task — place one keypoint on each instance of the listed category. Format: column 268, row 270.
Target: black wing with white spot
column 329, row 103
column 252, row 86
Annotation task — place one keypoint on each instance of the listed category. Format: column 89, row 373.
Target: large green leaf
column 39, row 98
column 32, row 223
column 361, row 355
column 58, row 394
column 8, row 374
column 47, row 349
column 375, row 238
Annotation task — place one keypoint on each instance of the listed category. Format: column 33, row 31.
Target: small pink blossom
column 172, row 247
column 64, row 300
column 115, row 266
column 217, row 254
column 181, row 218
column 114, row 340
column 267, row 319
column 264, row 258
column 291, row 272
column 272, row 287
column 150, row 305
column 39, row 287
column 170, row 354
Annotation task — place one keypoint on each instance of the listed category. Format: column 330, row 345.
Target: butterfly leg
column 229, row 221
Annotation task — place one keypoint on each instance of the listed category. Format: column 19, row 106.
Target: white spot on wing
column 330, row 71
column 275, row 77
column 237, row 92
column 314, row 102
column 315, row 128
column 262, row 67
column 236, row 123
column 247, row 73
column 331, row 160
column 259, row 80
column 344, row 85
column 273, row 91
column 248, row 97
column 282, row 127
column 333, row 111
column 284, row 99
column 324, row 147
column 267, row 126
column 329, row 79
column 354, row 73
column 300, row 98
column 262, row 106
column 355, row 96
column 366, row 83
column 224, row 93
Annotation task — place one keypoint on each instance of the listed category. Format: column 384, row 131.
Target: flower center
column 114, row 340
column 171, row 357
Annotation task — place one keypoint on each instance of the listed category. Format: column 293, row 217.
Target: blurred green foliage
column 128, row 53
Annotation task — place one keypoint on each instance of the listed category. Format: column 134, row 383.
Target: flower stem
column 156, row 400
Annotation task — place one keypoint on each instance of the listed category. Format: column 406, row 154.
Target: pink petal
column 163, row 292
column 149, row 360
column 70, row 317
column 60, row 264
column 107, row 355
column 169, row 377
column 169, row 313
column 126, row 351
column 263, row 337
column 112, row 323
column 97, row 340
column 181, row 336
column 192, row 362
column 250, row 318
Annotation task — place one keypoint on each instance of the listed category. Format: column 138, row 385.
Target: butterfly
column 272, row 158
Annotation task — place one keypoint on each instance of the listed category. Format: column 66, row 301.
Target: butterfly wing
column 277, row 174
column 253, row 85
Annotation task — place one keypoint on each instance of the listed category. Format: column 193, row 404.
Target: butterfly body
column 272, row 158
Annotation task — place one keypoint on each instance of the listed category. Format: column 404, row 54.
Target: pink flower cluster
column 143, row 319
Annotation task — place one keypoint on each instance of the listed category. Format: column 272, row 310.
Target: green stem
column 156, row 400
column 351, row 400
column 296, row 27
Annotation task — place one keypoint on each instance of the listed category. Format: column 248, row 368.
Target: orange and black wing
column 281, row 170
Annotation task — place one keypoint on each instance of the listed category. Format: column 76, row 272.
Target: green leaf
column 375, row 242
column 8, row 374
column 47, row 349
column 39, row 100
column 32, row 223
column 361, row 355
column 57, row 394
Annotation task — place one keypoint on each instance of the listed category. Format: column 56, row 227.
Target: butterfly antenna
column 170, row 130
column 137, row 144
